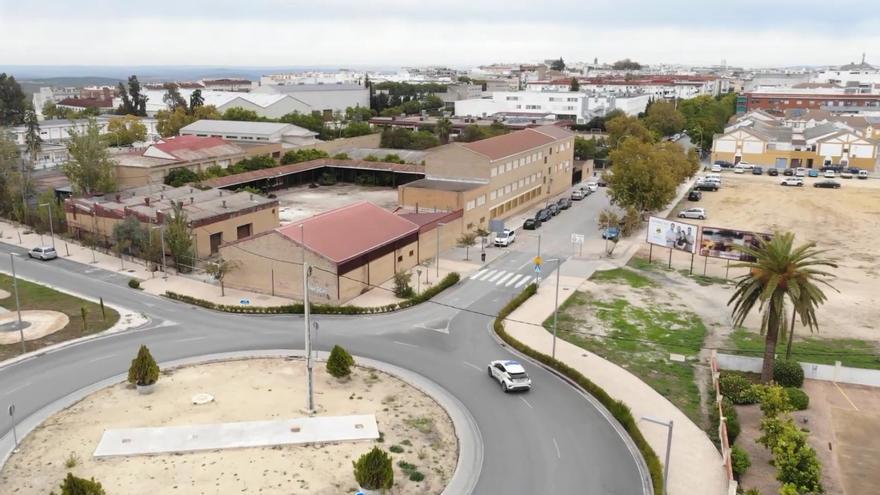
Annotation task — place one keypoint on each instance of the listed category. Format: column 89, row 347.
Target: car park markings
column 558, row 453
column 16, row 389
column 474, row 366
column 526, row 402
column 95, row 360
column 404, row 343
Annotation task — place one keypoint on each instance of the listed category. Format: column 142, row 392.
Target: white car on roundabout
column 510, row 375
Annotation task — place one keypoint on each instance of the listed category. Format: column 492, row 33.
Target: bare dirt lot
column 301, row 202
column 845, row 221
column 244, row 390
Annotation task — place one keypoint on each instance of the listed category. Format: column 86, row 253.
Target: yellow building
column 495, row 177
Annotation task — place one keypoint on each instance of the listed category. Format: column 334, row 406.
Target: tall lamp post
column 162, row 241
column 51, row 228
column 17, row 303
column 307, row 270
column 556, row 304
column 668, row 448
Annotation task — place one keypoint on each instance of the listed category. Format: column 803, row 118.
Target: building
column 775, row 142
column 150, row 165
column 80, row 104
column 342, row 76
column 494, row 177
column 861, row 73
column 271, row 106
column 458, row 92
column 288, row 135
column 837, row 99
column 227, row 84
column 512, row 121
column 350, row 249
column 325, row 99
column 680, row 87
column 579, row 107
column 49, row 94
column 214, row 216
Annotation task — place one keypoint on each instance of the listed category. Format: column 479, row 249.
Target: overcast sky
column 453, row 32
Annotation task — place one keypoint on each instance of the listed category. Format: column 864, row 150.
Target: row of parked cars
column 553, row 209
column 829, row 172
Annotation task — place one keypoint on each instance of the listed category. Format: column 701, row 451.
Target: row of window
column 514, row 186
column 528, row 159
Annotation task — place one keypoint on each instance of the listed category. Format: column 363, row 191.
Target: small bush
column 402, row 287
column 416, row 476
column 798, row 399
column 737, row 388
column 134, row 283
column 753, row 491
column 339, row 363
column 374, row 470
column 71, row 461
column 740, row 461
column 143, row 370
column 396, row 449
column 729, row 412
column 80, row 486
column 788, row 374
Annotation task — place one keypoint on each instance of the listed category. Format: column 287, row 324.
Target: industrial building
column 288, row 135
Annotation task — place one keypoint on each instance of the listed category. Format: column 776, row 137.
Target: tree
column 584, row 149
column 402, row 287
column 10, row 174
column 51, row 111
column 354, row 129
column 220, row 269
column 574, row 85
column 373, row 470
column 180, row 176
column 557, row 64
column 637, row 181
column 12, row 101
column 80, row 486
column 178, row 239
column 705, row 116
column 143, row 370
column 443, row 129
column 303, row 155
column 125, row 108
column 138, row 101
column 129, row 233
column 339, row 362
column 664, row 119
column 358, row 114
column 170, row 122
column 32, row 139
column 624, row 127
column 466, row 240
column 90, row 168
column 242, row 115
column 780, row 271
column 196, row 100
column 433, row 102
column 125, row 130
column 626, row 64
column 172, row 97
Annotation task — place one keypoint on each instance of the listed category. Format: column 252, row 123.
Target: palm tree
column 780, row 271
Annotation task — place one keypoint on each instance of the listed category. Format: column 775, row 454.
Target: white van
column 863, row 174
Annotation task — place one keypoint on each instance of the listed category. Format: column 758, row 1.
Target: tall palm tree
column 780, row 271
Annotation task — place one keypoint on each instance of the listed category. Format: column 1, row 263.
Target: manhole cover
column 200, row 399
column 295, row 429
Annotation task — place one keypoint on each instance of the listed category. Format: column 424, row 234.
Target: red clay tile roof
column 499, row 147
column 170, row 145
column 345, row 233
column 86, row 102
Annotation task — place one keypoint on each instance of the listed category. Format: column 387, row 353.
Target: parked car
column 505, row 238
column 800, row 172
column 813, row 173
column 577, row 195
column 694, row 195
column 531, row 224
column 828, row 184
column 706, row 186
column 863, row 174
column 716, row 168
column 593, row 186
column 564, row 203
column 792, row 181
column 757, row 171
column 723, row 163
column 738, row 170
column 510, row 374
column 834, row 168
column 554, row 210
column 745, row 165
column 44, row 253
column 846, row 174
column 699, row 213
column 543, row 215
column 772, row 172
column 789, row 172
column 611, row 233
column 829, row 174
column 854, row 170
column 601, row 183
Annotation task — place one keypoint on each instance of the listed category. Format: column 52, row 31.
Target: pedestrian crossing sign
column 537, row 268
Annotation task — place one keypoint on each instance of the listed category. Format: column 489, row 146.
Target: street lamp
column 162, row 241
column 306, row 272
column 556, row 304
column 668, row 448
column 439, row 225
column 17, row 304
column 51, row 229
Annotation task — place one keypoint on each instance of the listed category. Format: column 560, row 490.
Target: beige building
column 351, row 250
column 495, row 177
column 215, row 216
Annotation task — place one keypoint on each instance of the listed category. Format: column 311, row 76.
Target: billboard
column 675, row 235
column 719, row 243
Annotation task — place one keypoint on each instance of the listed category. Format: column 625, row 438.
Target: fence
column 722, row 425
column 825, row 372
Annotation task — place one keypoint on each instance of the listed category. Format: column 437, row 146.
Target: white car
column 699, row 213
column 716, row 168
column 792, row 181
column 863, row 174
column 505, row 238
column 592, row 186
column 745, row 165
column 829, row 174
column 800, row 172
column 577, row 195
column 739, row 169
column 846, row 174
column 43, row 253
column 510, row 374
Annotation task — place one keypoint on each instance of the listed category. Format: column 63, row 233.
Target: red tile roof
column 499, row 147
column 170, row 145
column 348, row 232
column 86, row 102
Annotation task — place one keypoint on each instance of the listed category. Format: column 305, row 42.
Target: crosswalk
column 502, row 278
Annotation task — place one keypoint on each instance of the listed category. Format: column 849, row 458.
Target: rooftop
column 496, row 148
column 300, row 88
column 86, row 103
column 232, row 126
column 445, row 185
column 245, row 177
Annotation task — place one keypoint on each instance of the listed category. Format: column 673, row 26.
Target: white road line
column 527, row 402
column 191, row 339
column 503, row 279
column 95, row 360
column 404, row 343
column 494, row 277
column 474, row 366
column 479, row 273
column 513, row 280
column 16, row 389
column 487, row 274
column 558, row 453
column 523, row 281
column 527, row 263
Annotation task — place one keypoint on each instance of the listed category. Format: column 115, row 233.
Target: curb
column 470, row 441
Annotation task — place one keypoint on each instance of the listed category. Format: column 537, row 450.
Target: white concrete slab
column 190, row 438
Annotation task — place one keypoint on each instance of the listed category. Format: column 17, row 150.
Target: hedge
column 618, row 409
column 320, row 309
column 788, row 373
column 736, row 387
column 798, row 399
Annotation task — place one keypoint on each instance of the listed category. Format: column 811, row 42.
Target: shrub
column 339, row 363
column 373, row 470
column 788, row 373
column 737, row 388
column 133, row 283
column 416, row 476
column 732, row 417
column 396, row 449
column 143, row 370
column 402, row 287
column 739, row 458
column 80, row 486
column 798, row 399
column 753, row 491
column 774, row 401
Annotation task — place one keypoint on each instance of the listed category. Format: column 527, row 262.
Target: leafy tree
column 626, row 64
column 125, row 108
column 705, row 116
column 130, row 231
column 574, row 85
column 466, row 240
column 12, row 101
column 220, row 269
column 254, row 163
column 443, row 129
column 80, row 486
column 624, row 127
column 780, row 271
column 354, row 129
column 125, row 130
column 303, row 155
column 242, row 114
column 172, row 97
column 143, row 370
column 374, row 470
column 433, row 102
column 584, row 149
column 339, row 362
column 740, row 460
column 11, row 174
column 402, row 287
column 196, row 100
column 178, row 240
column 664, row 119
column 90, row 168
column 32, row 139
column 637, row 182
column 358, row 114
column 51, row 111
column 341, row 156
column 170, row 122
column 558, row 64
column 393, row 158
column 313, row 123
column 180, row 176
column 138, row 100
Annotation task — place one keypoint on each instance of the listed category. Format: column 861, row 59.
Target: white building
column 270, row 106
column 322, row 98
column 657, row 87
column 862, row 73
column 288, row 135
column 565, row 105
column 47, row 94
column 340, row 77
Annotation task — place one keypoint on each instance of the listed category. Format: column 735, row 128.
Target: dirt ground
column 845, row 221
column 301, row 202
column 244, row 390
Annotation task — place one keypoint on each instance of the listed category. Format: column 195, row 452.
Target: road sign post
column 14, row 434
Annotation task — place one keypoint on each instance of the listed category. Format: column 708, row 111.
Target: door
column 216, row 240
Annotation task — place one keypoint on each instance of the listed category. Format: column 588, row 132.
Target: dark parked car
column 828, row 184
column 854, row 170
column 564, row 203
column 601, row 183
column 834, row 168
column 611, row 233
column 724, row 163
column 695, row 195
column 772, row 172
column 757, row 171
column 531, row 224
column 706, row 186
column 789, row 172
column 554, row 210
column 543, row 215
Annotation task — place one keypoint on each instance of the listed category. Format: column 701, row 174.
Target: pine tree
column 339, row 363
column 143, row 370
column 373, row 470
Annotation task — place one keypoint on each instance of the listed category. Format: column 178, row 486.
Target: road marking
column 527, row 263
column 479, row 273
column 495, row 277
column 504, row 279
column 191, row 339
column 404, row 343
column 527, row 402
column 483, row 276
column 522, row 282
column 845, row 396
column 474, row 366
column 95, row 360
column 16, row 389
column 558, row 454
column 514, row 279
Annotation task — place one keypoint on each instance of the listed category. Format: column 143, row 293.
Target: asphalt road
column 550, row 440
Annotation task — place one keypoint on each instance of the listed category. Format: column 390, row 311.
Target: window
column 400, row 258
column 243, row 231
column 513, row 98
column 522, row 182
column 494, row 172
column 470, row 205
column 519, row 107
column 509, row 166
column 411, row 252
column 533, row 107
column 528, row 159
column 572, row 100
column 492, row 196
column 481, row 200
column 507, row 189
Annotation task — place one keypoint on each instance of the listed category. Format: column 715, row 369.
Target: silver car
column 698, row 213
column 43, row 253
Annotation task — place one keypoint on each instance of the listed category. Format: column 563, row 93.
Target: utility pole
column 439, row 225
column 306, row 270
column 556, row 305
column 17, row 304
column 668, row 448
column 51, row 229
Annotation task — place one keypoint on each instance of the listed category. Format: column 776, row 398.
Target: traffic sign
column 577, row 238
column 538, row 260
column 538, row 269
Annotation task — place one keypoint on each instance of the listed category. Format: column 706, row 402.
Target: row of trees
column 180, row 176
column 706, row 116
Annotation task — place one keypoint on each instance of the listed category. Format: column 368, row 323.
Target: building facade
column 288, row 135
column 323, row 99
column 832, row 99
column 578, row 107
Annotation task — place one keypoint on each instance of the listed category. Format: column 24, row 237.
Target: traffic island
column 413, row 428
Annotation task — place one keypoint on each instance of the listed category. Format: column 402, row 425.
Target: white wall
column 824, row 372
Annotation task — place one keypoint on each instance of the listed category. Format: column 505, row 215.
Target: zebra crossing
column 502, row 278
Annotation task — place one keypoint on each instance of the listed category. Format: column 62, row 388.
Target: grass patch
column 34, row 296
column 623, row 276
column 854, row 353
column 423, row 425
column 704, row 280
column 640, row 339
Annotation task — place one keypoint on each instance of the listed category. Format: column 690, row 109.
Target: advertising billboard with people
column 674, row 235
column 722, row 243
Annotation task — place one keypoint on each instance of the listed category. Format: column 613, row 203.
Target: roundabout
column 36, row 325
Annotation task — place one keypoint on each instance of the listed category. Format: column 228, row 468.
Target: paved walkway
column 191, row 438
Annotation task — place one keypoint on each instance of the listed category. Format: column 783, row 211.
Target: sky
column 459, row 33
